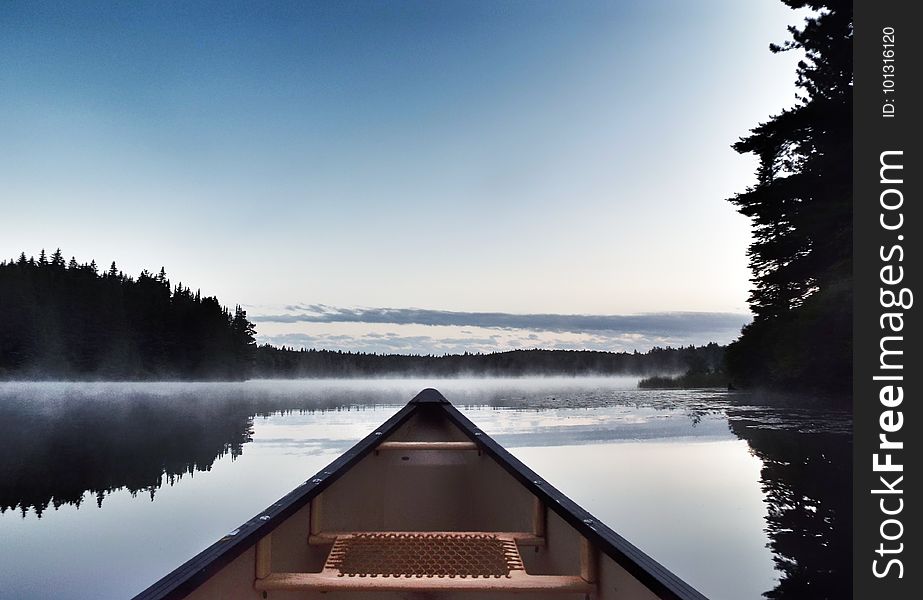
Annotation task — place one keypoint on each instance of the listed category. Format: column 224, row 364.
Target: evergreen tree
column 801, row 207
column 57, row 259
column 244, row 334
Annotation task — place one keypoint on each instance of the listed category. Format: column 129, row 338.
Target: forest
column 65, row 320
column 285, row 362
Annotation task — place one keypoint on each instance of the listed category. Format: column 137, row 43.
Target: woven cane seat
column 395, row 554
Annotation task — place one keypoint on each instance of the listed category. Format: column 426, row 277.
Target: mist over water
column 89, row 469
column 309, row 392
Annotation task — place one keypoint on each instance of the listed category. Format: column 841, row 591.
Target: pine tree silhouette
column 801, row 207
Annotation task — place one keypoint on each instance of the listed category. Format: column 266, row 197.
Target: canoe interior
column 427, row 470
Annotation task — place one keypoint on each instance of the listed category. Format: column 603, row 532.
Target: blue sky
column 522, row 158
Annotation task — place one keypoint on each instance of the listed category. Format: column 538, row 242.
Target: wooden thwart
column 444, row 446
column 518, row 581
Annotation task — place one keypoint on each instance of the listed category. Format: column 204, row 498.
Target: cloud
column 449, row 342
column 390, row 344
column 667, row 324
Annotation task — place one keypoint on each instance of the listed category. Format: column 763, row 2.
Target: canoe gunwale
column 207, row 563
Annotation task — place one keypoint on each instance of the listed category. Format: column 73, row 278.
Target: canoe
column 425, row 506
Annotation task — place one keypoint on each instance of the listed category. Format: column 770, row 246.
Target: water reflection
column 62, row 441
column 807, row 482
column 53, row 455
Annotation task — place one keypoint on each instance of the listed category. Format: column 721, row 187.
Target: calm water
column 104, row 488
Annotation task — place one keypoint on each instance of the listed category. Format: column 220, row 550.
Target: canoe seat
column 399, row 554
column 423, row 561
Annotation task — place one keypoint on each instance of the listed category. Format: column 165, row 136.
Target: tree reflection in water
column 54, row 455
column 61, row 441
column 807, row 479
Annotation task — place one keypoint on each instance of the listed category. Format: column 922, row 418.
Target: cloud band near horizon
column 673, row 324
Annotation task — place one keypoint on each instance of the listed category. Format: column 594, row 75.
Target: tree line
column 291, row 363
column 67, row 320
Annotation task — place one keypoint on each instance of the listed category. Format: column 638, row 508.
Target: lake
column 106, row 487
